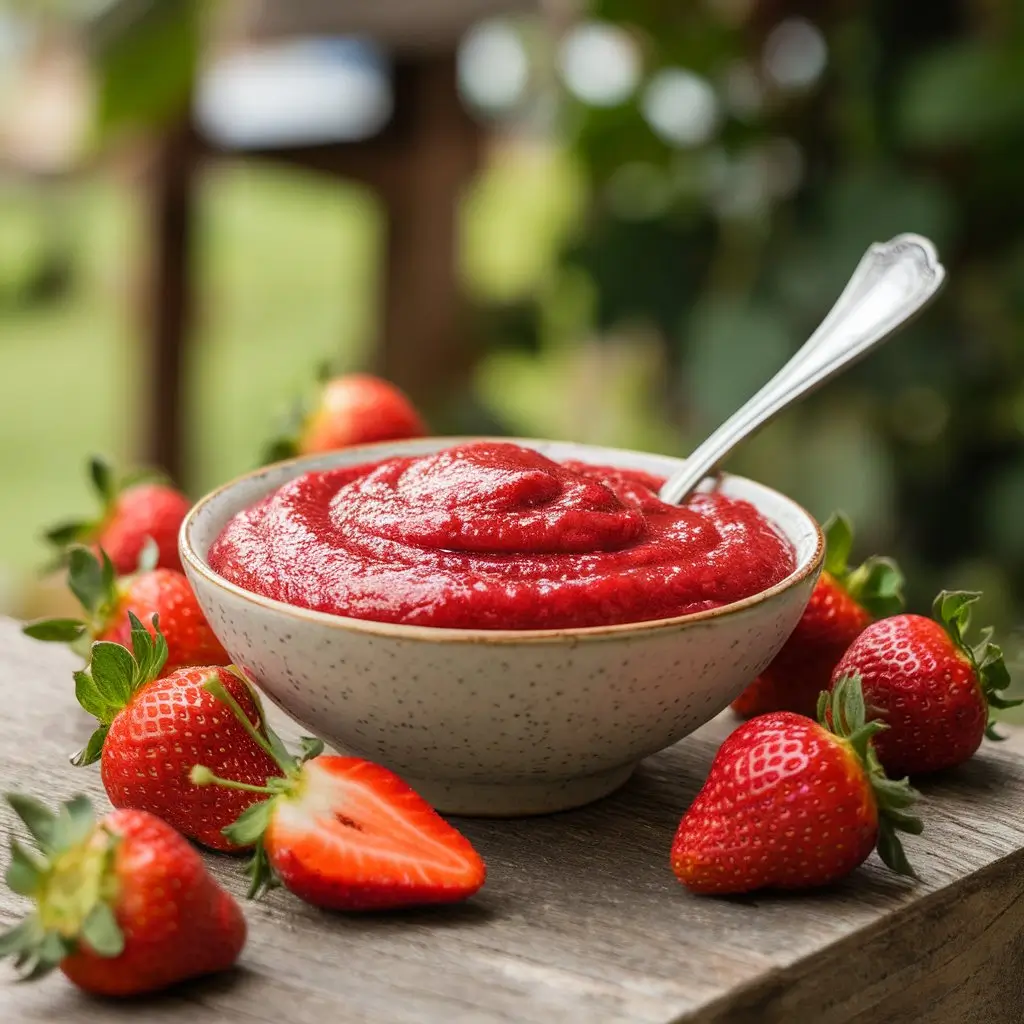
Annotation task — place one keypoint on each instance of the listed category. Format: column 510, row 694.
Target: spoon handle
column 892, row 282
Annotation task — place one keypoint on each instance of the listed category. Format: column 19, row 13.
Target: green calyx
column 115, row 674
column 844, row 713
column 253, row 822
column 69, row 874
column 286, row 444
column 108, row 486
column 93, row 581
column 952, row 610
column 876, row 585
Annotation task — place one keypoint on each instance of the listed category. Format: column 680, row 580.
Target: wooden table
column 581, row 919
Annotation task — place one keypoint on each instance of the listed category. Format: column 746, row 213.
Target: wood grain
column 581, row 919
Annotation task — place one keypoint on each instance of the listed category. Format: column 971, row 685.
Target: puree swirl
column 491, row 535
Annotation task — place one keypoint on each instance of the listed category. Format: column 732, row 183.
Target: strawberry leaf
column 149, row 650
column 101, row 931
column 58, row 631
column 877, row 586
column 88, row 580
column 40, row 821
column 92, row 699
column 952, row 609
column 93, row 749
column 844, row 713
column 309, row 747
column 278, row 750
column 279, row 450
column 143, row 475
column 251, row 824
column 848, row 712
column 838, row 544
column 285, row 445
column 22, row 937
column 891, row 851
column 66, row 877
column 66, row 533
column 114, row 672
column 262, row 877
column 75, row 821
column 25, row 872
column 102, row 477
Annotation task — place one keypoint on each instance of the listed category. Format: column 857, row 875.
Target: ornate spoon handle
column 892, row 282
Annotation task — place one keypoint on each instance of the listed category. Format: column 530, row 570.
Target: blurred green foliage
column 729, row 249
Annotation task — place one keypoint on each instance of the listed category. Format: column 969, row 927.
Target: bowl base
column 518, row 799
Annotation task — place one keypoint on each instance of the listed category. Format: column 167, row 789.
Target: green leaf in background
column 961, row 95
column 145, row 54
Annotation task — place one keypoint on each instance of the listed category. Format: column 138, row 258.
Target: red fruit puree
column 495, row 536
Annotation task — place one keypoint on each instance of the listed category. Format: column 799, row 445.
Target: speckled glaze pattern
column 499, row 723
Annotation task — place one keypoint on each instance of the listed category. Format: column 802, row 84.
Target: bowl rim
column 447, row 634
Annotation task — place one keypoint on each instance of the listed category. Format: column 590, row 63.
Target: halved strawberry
column 346, row 834
column 108, row 599
column 136, row 507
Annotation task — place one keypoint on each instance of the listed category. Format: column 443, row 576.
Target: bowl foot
column 518, row 799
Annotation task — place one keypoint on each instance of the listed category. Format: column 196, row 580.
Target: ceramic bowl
column 499, row 723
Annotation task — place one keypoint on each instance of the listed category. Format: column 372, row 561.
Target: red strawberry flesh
column 354, row 836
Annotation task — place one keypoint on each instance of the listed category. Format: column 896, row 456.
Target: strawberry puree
column 495, row 536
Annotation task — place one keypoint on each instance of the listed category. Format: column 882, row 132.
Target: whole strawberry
column 135, row 508
column 153, row 729
column 932, row 690
column 107, row 600
column 348, row 410
column 844, row 601
column 791, row 804
column 123, row 907
column 346, row 834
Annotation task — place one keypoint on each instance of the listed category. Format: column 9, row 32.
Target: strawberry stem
column 217, row 689
column 200, row 775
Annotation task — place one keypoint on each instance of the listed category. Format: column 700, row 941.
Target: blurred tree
column 736, row 179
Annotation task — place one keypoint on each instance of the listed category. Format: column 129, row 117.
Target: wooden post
column 424, row 347
column 169, row 298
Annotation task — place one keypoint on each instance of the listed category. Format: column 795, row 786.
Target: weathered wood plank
column 581, row 918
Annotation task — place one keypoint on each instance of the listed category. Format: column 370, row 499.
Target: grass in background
column 287, row 271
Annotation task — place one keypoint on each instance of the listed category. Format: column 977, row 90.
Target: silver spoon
column 892, row 282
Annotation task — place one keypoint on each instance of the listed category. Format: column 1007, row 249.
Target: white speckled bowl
column 499, row 723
